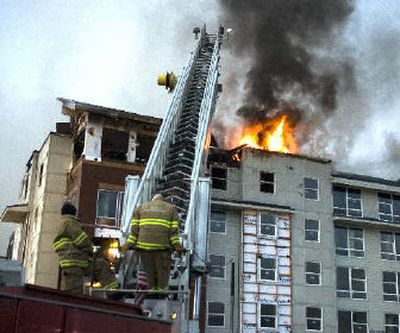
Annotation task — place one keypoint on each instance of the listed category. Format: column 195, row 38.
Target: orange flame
column 279, row 139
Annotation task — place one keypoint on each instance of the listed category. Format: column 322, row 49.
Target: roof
column 368, row 179
column 267, row 152
column 72, row 105
column 305, row 157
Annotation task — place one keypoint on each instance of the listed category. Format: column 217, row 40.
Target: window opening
column 389, row 207
column 268, row 269
column 351, row 283
column 346, row 201
column 217, row 266
column 311, row 188
column 216, row 314
column 313, row 273
column 267, row 182
column 109, row 207
column 352, row 322
column 218, row 176
column 40, row 178
column 218, row 222
column 268, row 315
column 349, row 242
column 391, row 286
column 114, row 144
column 314, row 319
column 311, row 230
column 390, row 246
column 391, row 323
column 268, row 224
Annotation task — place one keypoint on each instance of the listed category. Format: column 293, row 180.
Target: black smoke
column 288, row 43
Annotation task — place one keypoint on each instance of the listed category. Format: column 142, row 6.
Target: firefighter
column 101, row 271
column 154, row 227
column 75, row 250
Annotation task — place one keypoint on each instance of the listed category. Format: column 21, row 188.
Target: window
column 349, row 242
column 267, row 182
column 79, row 144
column 267, row 269
column 216, row 314
column 268, row 225
column 346, row 201
column 311, row 188
column 352, row 322
column 217, row 266
column 114, row 144
column 267, row 315
column 40, row 176
column 109, row 207
column 389, row 207
column 25, row 186
column 390, row 246
column 391, row 323
column 391, row 286
column 145, row 141
column 314, row 319
column 311, row 230
column 351, row 283
column 313, row 273
column 218, row 176
column 218, row 222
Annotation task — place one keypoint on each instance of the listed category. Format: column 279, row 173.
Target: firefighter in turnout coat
column 154, row 228
column 75, row 250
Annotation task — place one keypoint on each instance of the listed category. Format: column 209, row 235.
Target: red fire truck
column 40, row 310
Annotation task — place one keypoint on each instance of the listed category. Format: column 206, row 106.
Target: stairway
column 175, row 182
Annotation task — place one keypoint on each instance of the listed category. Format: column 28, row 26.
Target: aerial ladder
column 177, row 167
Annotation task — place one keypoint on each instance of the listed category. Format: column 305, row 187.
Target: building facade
column 295, row 246
column 43, row 189
column 108, row 146
column 85, row 161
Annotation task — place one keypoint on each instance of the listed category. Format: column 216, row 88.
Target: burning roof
column 233, row 157
column 272, row 134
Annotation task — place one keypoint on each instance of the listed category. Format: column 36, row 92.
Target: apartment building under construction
column 293, row 244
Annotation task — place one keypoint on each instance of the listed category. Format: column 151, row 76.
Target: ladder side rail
column 131, row 185
column 204, row 121
column 200, row 147
column 159, row 152
column 207, row 106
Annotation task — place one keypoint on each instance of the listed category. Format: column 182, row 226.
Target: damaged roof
column 70, row 106
column 228, row 153
column 368, row 179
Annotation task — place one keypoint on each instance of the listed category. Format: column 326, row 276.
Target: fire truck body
column 35, row 309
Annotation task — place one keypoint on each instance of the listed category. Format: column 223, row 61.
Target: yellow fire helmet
column 169, row 80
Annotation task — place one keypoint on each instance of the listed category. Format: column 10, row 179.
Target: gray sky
column 110, row 52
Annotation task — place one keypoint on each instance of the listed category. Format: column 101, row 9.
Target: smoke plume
column 292, row 70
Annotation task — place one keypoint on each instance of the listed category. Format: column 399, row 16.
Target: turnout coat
column 154, row 226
